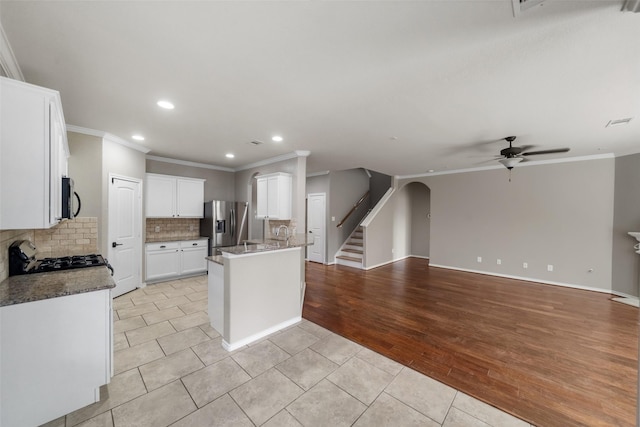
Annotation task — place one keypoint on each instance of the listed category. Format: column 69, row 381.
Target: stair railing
column 353, row 209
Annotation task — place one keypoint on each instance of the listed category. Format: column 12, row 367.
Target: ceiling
column 399, row 87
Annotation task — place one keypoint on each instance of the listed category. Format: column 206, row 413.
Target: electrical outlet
column 333, row 218
column 499, row 261
column 479, row 259
column 549, row 267
column 525, row 265
column 157, row 229
column 190, row 227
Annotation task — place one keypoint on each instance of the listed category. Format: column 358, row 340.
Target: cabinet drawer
column 162, row 246
column 193, row 244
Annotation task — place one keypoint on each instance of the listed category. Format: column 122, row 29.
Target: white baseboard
column 248, row 340
column 394, row 260
column 529, row 279
column 632, row 301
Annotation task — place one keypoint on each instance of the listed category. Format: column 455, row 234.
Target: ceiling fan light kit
column 510, row 162
column 511, row 155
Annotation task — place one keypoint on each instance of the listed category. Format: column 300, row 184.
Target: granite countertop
column 41, row 286
column 152, row 239
column 267, row 245
column 215, row 258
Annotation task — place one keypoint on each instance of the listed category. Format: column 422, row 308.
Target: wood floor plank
column 551, row 355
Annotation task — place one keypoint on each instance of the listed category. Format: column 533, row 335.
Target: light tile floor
column 172, row 370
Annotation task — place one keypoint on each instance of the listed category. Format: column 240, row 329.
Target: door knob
column 114, row 244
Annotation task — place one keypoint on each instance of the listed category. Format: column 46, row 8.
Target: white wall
column 559, row 214
column 626, row 263
column 85, row 167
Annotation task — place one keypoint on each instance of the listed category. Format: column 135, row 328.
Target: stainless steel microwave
column 69, row 210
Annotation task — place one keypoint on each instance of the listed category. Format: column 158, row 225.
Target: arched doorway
column 419, row 196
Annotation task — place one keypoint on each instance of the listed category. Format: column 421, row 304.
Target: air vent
column 619, row 122
column 520, row 6
column 256, row 142
column 631, row 6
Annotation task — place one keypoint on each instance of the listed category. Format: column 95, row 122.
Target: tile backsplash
column 172, row 228
column 76, row 236
column 72, row 237
column 273, row 224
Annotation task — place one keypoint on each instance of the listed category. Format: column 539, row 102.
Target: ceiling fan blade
column 526, row 148
column 488, row 160
column 535, row 153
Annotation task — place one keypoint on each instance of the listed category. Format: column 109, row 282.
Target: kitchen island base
column 252, row 295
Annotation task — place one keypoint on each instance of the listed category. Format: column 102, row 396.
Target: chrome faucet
column 286, row 231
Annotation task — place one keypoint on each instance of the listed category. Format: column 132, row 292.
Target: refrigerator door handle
column 233, row 222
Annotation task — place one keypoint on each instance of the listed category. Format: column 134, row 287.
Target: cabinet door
column 160, row 200
column 55, row 352
column 284, row 197
column 25, row 159
column 163, row 264
column 272, row 197
column 263, row 198
column 190, row 198
column 57, row 164
column 193, row 260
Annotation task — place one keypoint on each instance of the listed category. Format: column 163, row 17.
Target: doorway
column 316, row 223
column 125, row 236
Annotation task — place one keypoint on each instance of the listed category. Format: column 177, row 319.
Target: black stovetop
column 67, row 263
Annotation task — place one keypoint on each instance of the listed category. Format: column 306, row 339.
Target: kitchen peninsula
column 256, row 288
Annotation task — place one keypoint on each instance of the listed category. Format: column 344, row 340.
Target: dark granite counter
column 216, row 258
column 41, row 286
column 152, row 239
column 255, row 246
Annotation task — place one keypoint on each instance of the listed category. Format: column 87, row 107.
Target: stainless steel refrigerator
column 224, row 223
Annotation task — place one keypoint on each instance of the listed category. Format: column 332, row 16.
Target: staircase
column 352, row 251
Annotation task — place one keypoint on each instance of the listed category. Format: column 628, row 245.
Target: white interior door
column 125, row 238
column 316, row 223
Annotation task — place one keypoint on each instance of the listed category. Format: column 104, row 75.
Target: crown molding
column 107, row 136
column 276, row 159
column 8, row 61
column 321, row 173
column 520, row 165
column 187, row 163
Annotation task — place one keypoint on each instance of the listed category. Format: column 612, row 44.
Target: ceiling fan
column 511, row 156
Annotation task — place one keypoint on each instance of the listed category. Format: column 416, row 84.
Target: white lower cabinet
column 56, row 353
column 163, row 260
column 167, row 260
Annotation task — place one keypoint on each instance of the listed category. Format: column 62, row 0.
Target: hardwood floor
column 550, row 355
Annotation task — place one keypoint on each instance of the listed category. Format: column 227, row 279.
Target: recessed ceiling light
column 229, row 155
column 431, row 171
column 166, row 105
column 138, row 137
column 277, row 138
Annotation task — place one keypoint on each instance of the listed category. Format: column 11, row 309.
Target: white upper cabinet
column 33, row 142
column 169, row 196
column 190, row 198
column 160, row 196
column 274, row 196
